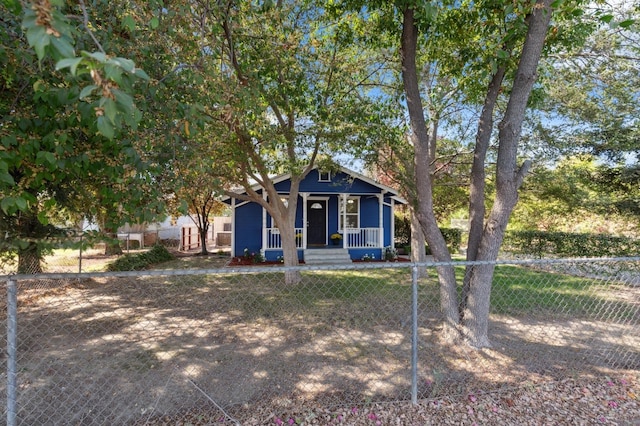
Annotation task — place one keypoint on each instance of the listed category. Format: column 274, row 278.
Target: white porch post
column 264, row 225
column 380, row 220
column 345, row 236
column 392, row 223
column 304, row 219
column 233, row 227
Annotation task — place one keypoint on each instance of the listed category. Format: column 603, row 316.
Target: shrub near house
column 136, row 262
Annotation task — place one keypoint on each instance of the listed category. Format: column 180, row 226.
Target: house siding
column 248, row 228
column 387, row 214
column 341, row 183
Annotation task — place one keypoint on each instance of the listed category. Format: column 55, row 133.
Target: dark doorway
column 317, row 223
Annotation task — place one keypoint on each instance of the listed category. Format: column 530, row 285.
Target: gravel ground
column 581, row 401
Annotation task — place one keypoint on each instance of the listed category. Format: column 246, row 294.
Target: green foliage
column 69, row 110
column 390, row 254
column 592, row 104
column 580, row 194
column 402, row 230
column 253, row 257
column 542, row 243
column 452, row 236
column 136, row 262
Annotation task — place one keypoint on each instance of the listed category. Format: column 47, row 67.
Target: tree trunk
column 203, row 229
column 290, row 253
column 509, row 178
column 477, row 185
column 418, row 253
column 285, row 219
column 111, row 244
column 424, row 192
column 30, row 259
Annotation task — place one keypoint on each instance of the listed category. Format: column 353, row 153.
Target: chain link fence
column 201, row 346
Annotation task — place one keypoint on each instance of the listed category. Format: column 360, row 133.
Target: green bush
column 452, row 236
column 541, row 243
column 136, row 262
column 402, row 231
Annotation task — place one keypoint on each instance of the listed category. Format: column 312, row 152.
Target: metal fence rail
column 136, row 347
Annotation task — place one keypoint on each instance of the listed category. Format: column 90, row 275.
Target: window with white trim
column 324, row 176
column 352, row 214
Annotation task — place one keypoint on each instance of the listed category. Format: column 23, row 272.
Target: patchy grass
column 69, row 260
column 193, row 261
column 516, row 289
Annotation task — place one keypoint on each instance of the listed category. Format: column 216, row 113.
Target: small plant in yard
column 368, row 257
column 257, row 258
column 251, row 256
column 390, row 254
column 280, row 259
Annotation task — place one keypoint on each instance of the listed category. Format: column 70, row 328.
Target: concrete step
column 327, row 256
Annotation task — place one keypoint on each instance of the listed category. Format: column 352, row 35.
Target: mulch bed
column 241, row 261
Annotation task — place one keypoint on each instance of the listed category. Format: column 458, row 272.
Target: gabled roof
column 387, row 189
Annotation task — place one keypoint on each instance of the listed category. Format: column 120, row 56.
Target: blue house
column 347, row 203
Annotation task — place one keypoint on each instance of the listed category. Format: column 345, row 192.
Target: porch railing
column 362, row 237
column 274, row 239
column 355, row 238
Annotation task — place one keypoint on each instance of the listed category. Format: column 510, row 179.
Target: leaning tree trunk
column 477, row 185
column 285, row 218
column 424, row 192
column 509, row 178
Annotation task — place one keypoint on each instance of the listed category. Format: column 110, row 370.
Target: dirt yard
column 247, row 349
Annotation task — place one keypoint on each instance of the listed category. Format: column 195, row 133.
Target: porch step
column 326, row 256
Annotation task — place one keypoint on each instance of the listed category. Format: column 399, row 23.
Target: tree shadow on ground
column 122, row 350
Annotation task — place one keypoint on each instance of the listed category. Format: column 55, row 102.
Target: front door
column 316, row 222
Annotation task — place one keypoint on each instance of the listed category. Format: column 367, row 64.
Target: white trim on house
column 233, row 225
column 324, row 177
column 386, row 189
column 344, row 200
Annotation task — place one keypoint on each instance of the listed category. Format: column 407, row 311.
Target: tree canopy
column 64, row 108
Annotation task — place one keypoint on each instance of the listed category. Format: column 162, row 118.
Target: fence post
column 12, row 351
column 80, row 255
column 414, row 334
